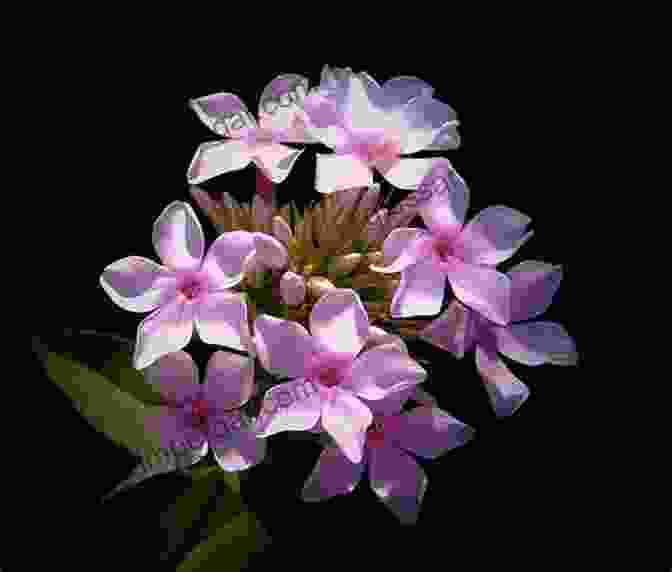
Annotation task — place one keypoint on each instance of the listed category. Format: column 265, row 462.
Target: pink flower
column 463, row 255
column 395, row 477
column 329, row 374
column 200, row 416
column 458, row 329
column 280, row 120
column 371, row 126
column 188, row 289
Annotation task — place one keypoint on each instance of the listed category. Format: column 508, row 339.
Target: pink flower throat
column 328, row 369
column 375, row 434
column 197, row 413
column 191, row 287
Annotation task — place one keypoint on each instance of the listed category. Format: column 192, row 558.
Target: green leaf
column 343, row 282
column 229, row 547
column 119, row 369
column 295, row 216
column 108, row 409
column 230, row 478
column 360, row 245
column 372, row 294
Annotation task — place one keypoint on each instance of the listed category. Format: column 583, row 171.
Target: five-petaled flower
column 249, row 141
column 458, row 329
column 395, row 477
column 189, row 288
column 204, row 416
column 371, row 126
column 329, row 371
column 464, row 255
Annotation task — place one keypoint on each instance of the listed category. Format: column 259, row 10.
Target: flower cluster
column 310, row 296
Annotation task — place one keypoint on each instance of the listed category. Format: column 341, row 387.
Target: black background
column 509, row 494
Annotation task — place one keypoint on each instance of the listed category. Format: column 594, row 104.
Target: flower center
column 328, row 369
column 191, row 288
column 443, row 249
column 377, row 153
column 197, row 413
column 375, row 434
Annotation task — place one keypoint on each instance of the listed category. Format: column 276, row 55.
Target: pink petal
column 533, row 285
column 398, row 481
column 378, row 337
column 275, row 160
column 429, row 432
column 443, row 200
column 224, row 113
column 175, row 376
column 408, row 173
column 392, row 403
column 453, row 331
column 505, row 391
column 377, row 227
column 427, row 118
column 270, row 251
column 229, row 380
column 402, row 89
column 224, row 261
column 279, row 107
column 420, row 292
column 292, row 406
column 382, row 370
column 346, row 419
column 333, row 475
column 482, row 289
column 221, row 319
column 137, row 284
column 536, row 343
column 402, row 248
column 241, row 451
column 492, row 236
column 166, row 330
column 173, row 433
column 215, row 158
column 340, row 172
column 292, row 289
column 447, row 138
column 283, row 346
column 178, row 237
column 263, row 204
column 339, row 322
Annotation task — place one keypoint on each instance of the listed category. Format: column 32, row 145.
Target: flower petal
column 138, row 284
column 175, row 376
column 454, row 330
column 275, row 160
column 333, row 475
column 279, row 107
column 402, row 89
column 426, row 118
column 408, row 173
column 339, row 322
column 392, row 403
column 398, row 481
column 533, row 285
column 292, row 289
column 420, row 292
column 536, row 343
column 281, row 230
column 346, row 419
column 340, row 172
column 402, row 248
column 166, row 330
column 263, row 206
column 224, row 261
column 229, row 380
column 492, row 236
column 443, row 200
column 483, row 289
column 292, row 406
column 446, row 139
column 215, row 158
column 241, row 451
column 429, row 432
column 224, row 113
column 283, row 346
column 378, row 337
column 173, row 433
column 221, row 319
column 178, row 237
column 270, row 251
column 383, row 370
column 505, row 391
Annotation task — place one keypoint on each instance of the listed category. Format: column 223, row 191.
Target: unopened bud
column 281, row 230
column 343, row 265
column 292, row 288
column 318, row 286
